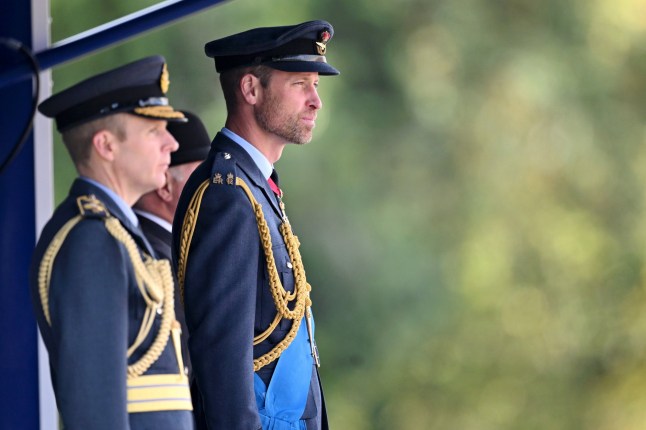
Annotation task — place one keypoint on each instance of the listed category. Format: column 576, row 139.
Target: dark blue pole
column 18, row 341
column 107, row 34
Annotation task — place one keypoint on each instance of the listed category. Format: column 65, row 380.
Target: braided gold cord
column 152, row 303
column 292, row 243
column 154, row 289
column 278, row 292
column 282, row 298
column 47, row 264
column 154, row 279
column 146, row 324
column 167, row 319
column 277, row 350
column 264, row 335
column 159, row 112
column 188, row 228
column 158, row 280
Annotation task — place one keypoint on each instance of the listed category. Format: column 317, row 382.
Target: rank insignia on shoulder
column 91, row 207
column 218, row 180
column 223, row 170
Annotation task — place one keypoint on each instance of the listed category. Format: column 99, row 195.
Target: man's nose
column 315, row 101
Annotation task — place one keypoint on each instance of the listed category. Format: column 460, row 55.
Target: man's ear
column 249, row 87
column 104, row 144
column 165, row 192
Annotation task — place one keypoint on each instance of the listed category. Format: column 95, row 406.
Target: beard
column 273, row 119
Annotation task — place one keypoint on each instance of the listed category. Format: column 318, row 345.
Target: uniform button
column 289, row 265
column 159, row 310
column 227, row 155
column 185, row 370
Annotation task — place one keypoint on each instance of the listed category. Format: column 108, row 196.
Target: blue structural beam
column 107, row 34
column 18, row 341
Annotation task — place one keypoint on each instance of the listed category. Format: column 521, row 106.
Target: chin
column 305, row 139
column 159, row 182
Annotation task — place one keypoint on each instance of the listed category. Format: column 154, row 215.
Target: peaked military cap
column 294, row 48
column 194, row 141
column 138, row 88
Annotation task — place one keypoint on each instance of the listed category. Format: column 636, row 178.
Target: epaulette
column 91, row 207
column 223, row 170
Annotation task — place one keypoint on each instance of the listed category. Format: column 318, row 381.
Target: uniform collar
column 261, row 161
column 123, row 206
column 223, row 142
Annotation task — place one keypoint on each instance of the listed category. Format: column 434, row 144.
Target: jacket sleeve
column 88, row 300
column 221, row 280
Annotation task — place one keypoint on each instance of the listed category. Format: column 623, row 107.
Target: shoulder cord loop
column 188, row 228
column 47, row 264
column 154, row 280
column 282, row 298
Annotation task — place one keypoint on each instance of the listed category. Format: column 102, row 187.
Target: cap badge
column 321, row 44
column 164, row 81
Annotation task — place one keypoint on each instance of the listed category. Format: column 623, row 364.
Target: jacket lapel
column 249, row 167
column 81, row 187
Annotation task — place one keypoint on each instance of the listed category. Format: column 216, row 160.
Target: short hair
column 78, row 140
column 230, row 79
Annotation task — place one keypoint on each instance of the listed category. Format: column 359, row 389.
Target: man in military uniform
column 103, row 304
column 156, row 208
column 241, row 277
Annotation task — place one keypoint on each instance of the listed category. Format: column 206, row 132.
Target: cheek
column 176, row 190
column 155, row 149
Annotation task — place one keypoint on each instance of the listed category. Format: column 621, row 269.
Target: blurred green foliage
column 471, row 208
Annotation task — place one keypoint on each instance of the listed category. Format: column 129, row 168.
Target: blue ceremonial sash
column 282, row 404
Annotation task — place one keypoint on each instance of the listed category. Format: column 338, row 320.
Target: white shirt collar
column 125, row 208
column 154, row 218
column 261, row 161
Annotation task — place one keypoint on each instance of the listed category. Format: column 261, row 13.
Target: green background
column 471, row 208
